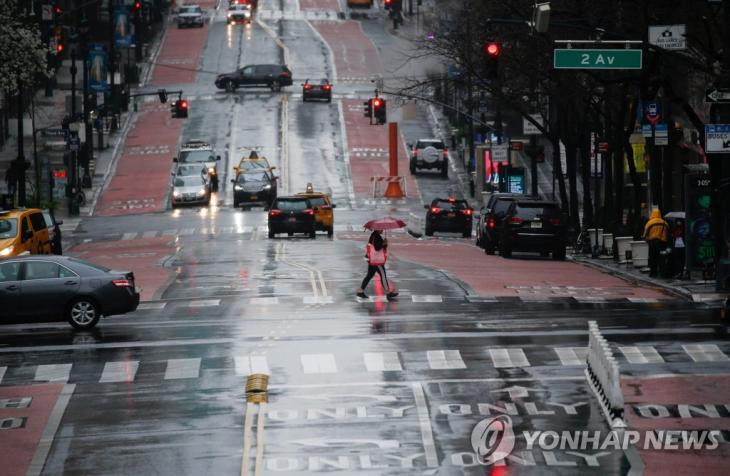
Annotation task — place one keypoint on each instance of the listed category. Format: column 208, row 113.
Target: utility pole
column 112, row 66
column 470, row 85
column 20, row 161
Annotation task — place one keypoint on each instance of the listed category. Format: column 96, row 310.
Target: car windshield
column 189, row 170
column 528, row 212
column 190, row 10
column 317, row 201
column 8, row 227
column 291, row 205
column 455, row 205
column 422, row 144
column 196, row 156
column 188, row 181
column 501, row 207
column 253, row 177
column 254, row 164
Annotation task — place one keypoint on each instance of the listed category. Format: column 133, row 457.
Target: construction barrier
column 604, row 376
column 377, row 181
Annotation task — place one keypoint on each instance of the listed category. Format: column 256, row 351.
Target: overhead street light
column 541, row 17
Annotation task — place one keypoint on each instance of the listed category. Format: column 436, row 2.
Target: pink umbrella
column 387, row 223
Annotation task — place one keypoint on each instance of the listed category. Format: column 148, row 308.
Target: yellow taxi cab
column 254, row 163
column 323, row 209
column 23, row 231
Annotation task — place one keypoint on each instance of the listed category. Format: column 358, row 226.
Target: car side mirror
column 59, row 222
column 334, row 205
column 174, row 159
column 217, row 157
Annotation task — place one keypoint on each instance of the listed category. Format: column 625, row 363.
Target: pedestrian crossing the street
column 330, row 363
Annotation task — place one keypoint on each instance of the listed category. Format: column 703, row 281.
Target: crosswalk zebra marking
column 119, row 371
column 572, row 355
column 251, row 364
column 318, row 300
column 264, row 301
column 382, row 361
column 186, row 231
column 445, row 359
column 149, row 234
column 53, row 373
column 205, row 303
column 508, row 358
column 182, row 369
column 641, row 355
column 426, row 298
column 146, row 306
column 129, row 236
column 705, row 353
column 318, row 363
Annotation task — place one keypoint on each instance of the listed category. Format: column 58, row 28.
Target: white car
column 190, row 190
column 194, row 170
column 190, row 15
column 200, row 153
column 430, row 154
column 239, row 13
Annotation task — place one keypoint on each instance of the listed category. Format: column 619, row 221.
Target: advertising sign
column 698, row 227
column 668, row 37
column 516, row 180
column 122, row 32
column 97, row 68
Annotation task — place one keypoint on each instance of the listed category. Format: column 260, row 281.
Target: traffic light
column 379, row 112
column 163, row 95
column 368, row 108
column 387, row 4
column 492, row 50
column 179, row 109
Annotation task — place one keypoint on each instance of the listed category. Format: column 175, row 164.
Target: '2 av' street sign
column 568, row 58
column 717, row 138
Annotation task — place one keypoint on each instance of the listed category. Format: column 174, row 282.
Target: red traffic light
column 137, row 5
column 59, row 48
column 183, row 104
column 492, row 49
column 377, row 102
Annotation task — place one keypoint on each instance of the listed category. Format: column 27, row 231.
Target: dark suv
column 292, row 215
column 272, row 75
column 533, row 225
column 449, row 215
column 490, row 220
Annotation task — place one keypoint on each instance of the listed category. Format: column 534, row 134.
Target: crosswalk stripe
column 205, row 303
column 251, row 364
column 182, row 368
column 53, row 373
column 186, row 231
column 318, row 363
column 119, row 371
column 244, row 229
column 2, row 373
column 143, row 306
column 445, row 359
column 641, row 355
column 572, row 355
column 149, row 234
column 226, row 230
column 506, row 358
column 426, row 298
column 705, row 353
column 318, row 300
column 129, row 236
column 264, row 301
column 382, row 361
column 170, row 232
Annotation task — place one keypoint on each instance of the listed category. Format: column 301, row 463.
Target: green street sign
column 596, row 59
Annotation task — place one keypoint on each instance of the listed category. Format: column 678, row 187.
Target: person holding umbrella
column 376, row 252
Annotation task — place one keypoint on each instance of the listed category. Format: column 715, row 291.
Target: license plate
column 254, row 197
column 451, row 215
column 292, row 220
column 536, row 224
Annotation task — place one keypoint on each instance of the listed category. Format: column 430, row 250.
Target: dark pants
column 677, row 261
column 371, row 272
column 655, row 247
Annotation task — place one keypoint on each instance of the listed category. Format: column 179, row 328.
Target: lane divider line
column 424, row 421
column 49, row 432
column 260, row 440
column 247, row 422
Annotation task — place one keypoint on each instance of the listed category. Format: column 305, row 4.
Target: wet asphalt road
column 361, row 387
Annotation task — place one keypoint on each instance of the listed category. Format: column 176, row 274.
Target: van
column 23, row 231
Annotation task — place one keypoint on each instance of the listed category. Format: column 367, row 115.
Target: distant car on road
column 190, row 190
column 60, row 287
column 23, row 231
column 533, row 225
column 490, row 220
column 449, row 215
column 323, row 209
column 199, row 152
column 239, row 13
column 317, row 90
column 275, row 76
column 430, row 154
column 253, row 188
column 190, row 15
column 292, row 215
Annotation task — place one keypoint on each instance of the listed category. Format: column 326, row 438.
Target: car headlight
column 230, row 14
column 211, row 170
column 267, row 187
column 6, row 251
column 237, row 187
column 176, row 194
column 201, row 192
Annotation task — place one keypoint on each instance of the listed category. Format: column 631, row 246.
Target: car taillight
column 467, row 212
column 445, row 152
column 435, row 210
column 327, row 87
column 515, row 221
column 309, row 211
column 285, row 74
column 491, row 223
column 274, row 213
column 122, row 283
column 325, row 207
column 307, row 86
column 555, row 221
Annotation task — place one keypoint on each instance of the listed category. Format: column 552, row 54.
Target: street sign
column 717, row 138
column 74, row 143
column 717, row 95
column 653, row 112
column 528, row 128
column 596, row 59
column 661, row 134
column 646, row 130
column 47, row 12
column 603, row 147
column 668, row 37
column 499, row 153
column 54, row 132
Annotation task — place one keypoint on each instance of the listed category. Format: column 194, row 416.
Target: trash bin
column 640, row 254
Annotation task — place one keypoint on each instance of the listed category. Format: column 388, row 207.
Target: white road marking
column 424, row 421
column 641, row 354
column 205, row 303
column 244, row 229
column 49, row 432
column 149, row 234
column 643, row 300
column 382, row 361
column 251, row 364
column 445, row 359
column 53, row 373
column 263, row 301
column 705, row 353
column 129, row 236
column 589, row 299
column 119, row 371
column 182, row 368
column 2, row 373
column 318, row 363
column 263, row 228
column 506, row 358
column 186, row 231
column 171, row 232
column 427, row 298
column 572, row 355
column 143, row 306
column 318, row 300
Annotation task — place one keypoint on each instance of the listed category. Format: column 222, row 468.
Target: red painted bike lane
column 680, row 402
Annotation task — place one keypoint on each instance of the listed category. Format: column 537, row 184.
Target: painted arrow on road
column 517, row 391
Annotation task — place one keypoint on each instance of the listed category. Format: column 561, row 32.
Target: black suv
column 449, row 215
column 253, row 188
column 490, row 220
column 533, row 225
column 272, row 75
column 292, row 215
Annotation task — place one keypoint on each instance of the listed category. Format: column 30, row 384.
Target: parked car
column 449, row 215
column 239, row 13
column 191, row 190
column 54, row 231
column 253, row 188
column 430, row 154
column 61, row 287
column 292, row 215
column 490, row 220
column 190, row 15
column 323, row 207
column 275, row 76
column 533, row 225
column 23, row 231
column 317, row 90
column 200, row 152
